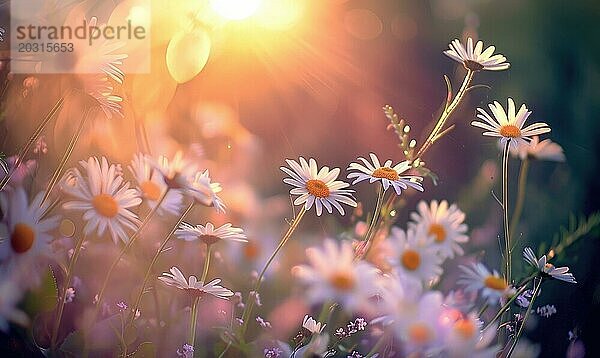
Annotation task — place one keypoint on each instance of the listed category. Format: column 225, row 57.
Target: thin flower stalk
column 250, row 302
column 63, row 162
column 194, row 313
column 536, row 291
column 126, row 248
column 67, row 284
column 371, row 230
column 507, row 248
column 506, row 306
column 448, row 110
column 32, row 140
column 153, row 262
column 523, row 171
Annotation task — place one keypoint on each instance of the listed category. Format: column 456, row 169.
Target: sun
column 235, row 9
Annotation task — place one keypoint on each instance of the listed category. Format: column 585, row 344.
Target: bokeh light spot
column 363, row 24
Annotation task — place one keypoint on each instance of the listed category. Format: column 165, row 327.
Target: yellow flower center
column 465, row 328
column 411, row 260
column 438, row 232
column 495, row 283
column 510, row 131
column 151, row 190
column 105, row 205
column 386, row 172
column 472, row 65
column 342, row 280
column 209, row 239
column 420, row 333
column 317, row 188
column 22, row 238
column 251, row 250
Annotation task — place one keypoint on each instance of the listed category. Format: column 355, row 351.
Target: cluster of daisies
column 98, row 195
column 389, row 275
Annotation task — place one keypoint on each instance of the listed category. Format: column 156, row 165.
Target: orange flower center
column 343, row 281
column 495, row 283
column 386, row 172
column 105, row 205
column 438, row 232
column 465, row 328
column 151, row 190
column 22, row 238
column 251, row 250
column 472, row 65
column 209, row 239
column 510, row 131
column 317, row 188
column 420, row 333
column 411, row 260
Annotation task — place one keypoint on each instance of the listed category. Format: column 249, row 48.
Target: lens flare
column 235, row 9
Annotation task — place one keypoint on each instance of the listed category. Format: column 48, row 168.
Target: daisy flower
column 333, row 274
column 318, row 187
column 312, row 325
column 197, row 288
column 175, row 172
column 178, row 173
column 25, row 230
column 508, row 126
column 464, row 336
column 209, row 235
column 477, row 277
column 103, row 197
column 411, row 257
column 386, row 173
column 544, row 150
column 546, row 268
column 205, row 192
column 417, row 324
column 445, row 223
column 151, row 186
column 476, row 59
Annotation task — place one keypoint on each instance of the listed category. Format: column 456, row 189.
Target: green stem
column 61, row 302
column 153, row 262
column 507, row 250
column 448, row 110
column 514, row 222
column 194, row 314
column 132, row 239
column 506, row 306
column 32, row 140
column 527, row 313
column 63, row 162
column 371, row 231
column 250, row 301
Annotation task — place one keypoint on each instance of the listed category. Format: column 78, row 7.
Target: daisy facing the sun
column 103, row 196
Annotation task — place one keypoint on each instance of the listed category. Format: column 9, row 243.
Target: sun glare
column 235, row 9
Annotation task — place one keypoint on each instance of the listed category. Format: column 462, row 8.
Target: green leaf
column 45, row 297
